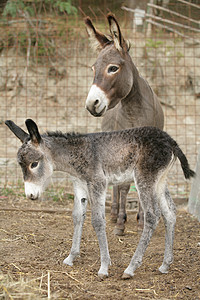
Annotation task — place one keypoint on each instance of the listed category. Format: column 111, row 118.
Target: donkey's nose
column 97, row 101
column 96, row 107
column 32, row 190
column 33, row 197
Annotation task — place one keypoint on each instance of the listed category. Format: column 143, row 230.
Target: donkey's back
column 146, row 150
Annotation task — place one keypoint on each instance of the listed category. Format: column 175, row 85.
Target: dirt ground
column 36, row 237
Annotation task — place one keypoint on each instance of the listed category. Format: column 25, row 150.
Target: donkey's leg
column 97, row 199
column 79, row 213
column 168, row 211
column 151, row 218
column 122, row 217
column 99, row 224
column 115, row 204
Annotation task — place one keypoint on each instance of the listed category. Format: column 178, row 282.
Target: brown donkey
column 121, row 96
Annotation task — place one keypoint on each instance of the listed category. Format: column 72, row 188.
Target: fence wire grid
column 45, row 74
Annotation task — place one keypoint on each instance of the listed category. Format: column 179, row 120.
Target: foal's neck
column 61, row 148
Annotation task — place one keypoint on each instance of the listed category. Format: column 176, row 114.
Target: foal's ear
column 119, row 41
column 33, row 131
column 20, row 133
column 98, row 39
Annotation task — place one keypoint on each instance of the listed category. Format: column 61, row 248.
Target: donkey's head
column 34, row 160
column 113, row 73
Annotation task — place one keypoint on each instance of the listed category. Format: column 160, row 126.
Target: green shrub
column 14, row 6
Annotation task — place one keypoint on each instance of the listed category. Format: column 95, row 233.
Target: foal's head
column 33, row 158
column 113, row 73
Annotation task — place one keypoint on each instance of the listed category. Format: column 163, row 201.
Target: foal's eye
column 113, row 69
column 34, row 164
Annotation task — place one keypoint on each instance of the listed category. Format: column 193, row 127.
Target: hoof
column 118, row 231
column 126, row 276
column 163, row 269
column 102, row 277
column 68, row 261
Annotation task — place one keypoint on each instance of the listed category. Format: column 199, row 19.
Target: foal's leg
column 168, row 211
column 79, row 213
column 97, row 200
column 122, row 216
column 115, row 204
column 151, row 218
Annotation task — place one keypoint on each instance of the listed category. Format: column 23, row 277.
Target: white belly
column 119, row 177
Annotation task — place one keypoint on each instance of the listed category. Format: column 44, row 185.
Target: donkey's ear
column 33, row 131
column 115, row 31
column 20, row 133
column 98, row 39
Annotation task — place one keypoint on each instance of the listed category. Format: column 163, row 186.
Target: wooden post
column 150, row 11
column 194, row 199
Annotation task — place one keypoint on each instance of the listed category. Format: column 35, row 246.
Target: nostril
column 32, row 197
column 96, row 102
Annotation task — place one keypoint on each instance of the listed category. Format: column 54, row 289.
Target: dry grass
column 23, row 288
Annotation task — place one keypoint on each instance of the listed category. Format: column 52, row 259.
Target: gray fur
column 144, row 155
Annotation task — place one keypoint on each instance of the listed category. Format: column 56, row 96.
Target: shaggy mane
column 63, row 135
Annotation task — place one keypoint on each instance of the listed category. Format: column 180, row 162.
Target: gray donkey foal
column 95, row 160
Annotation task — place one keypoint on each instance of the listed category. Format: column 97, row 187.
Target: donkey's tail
column 188, row 173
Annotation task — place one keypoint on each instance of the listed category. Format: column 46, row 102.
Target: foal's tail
column 184, row 162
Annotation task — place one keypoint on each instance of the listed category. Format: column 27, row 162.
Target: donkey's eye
column 34, row 164
column 113, row 69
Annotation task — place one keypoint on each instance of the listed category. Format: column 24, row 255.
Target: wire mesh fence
column 45, row 74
